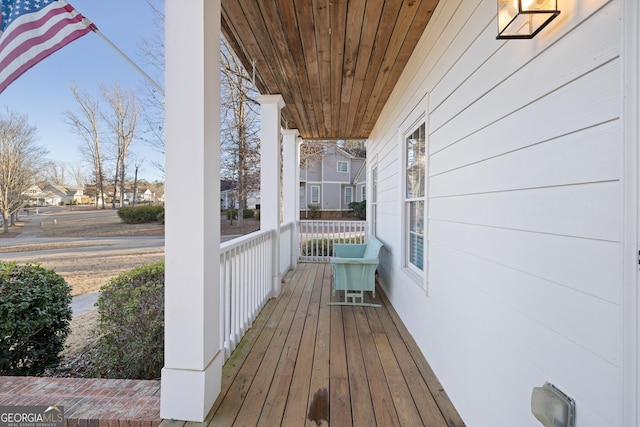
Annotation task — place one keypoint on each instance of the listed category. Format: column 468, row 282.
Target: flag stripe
column 35, row 21
column 43, row 53
column 33, row 36
column 28, row 41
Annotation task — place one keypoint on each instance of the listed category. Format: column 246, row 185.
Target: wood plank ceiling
column 335, row 62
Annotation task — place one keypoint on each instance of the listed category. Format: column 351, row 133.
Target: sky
column 43, row 92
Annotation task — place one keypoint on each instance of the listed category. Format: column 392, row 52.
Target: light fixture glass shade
column 523, row 19
column 552, row 407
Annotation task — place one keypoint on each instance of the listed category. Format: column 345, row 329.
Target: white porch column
column 191, row 377
column 270, row 177
column 291, row 186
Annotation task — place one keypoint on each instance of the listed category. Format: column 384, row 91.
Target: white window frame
column 374, row 200
column 311, row 199
column 348, row 190
column 302, row 196
column 417, row 269
column 346, row 163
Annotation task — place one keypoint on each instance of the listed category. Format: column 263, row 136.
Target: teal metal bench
column 354, row 271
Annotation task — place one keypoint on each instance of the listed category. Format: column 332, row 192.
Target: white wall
column 525, row 276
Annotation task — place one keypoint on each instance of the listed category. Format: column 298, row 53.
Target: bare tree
column 137, row 164
column 152, row 53
column 121, row 120
column 85, row 125
column 20, row 157
column 53, row 172
column 239, row 128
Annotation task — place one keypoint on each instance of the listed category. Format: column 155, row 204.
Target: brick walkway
column 88, row 402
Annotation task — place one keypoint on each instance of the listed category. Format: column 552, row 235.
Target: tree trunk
column 5, row 221
column 135, row 187
column 115, row 187
column 122, row 183
column 101, row 177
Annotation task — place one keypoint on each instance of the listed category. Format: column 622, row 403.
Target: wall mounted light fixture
column 523, row 19
column 552, row 407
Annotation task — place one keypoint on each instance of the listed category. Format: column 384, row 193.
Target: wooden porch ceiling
column 334, row 62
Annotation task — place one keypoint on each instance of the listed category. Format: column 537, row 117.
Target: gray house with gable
column 332, row 180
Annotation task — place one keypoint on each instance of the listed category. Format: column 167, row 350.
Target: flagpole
column 126, row 58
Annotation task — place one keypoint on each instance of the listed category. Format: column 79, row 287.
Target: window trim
column 413, row 270
column 338, row 166
column 311, row 200
column 374, row 198
column 350, row 188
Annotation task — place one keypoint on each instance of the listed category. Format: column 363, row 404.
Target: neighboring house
column 331, row 181
column 35, row 196
column 64, row 194
column 504, row 184
column 229, row 199
column 54, row 195
column 146, row 196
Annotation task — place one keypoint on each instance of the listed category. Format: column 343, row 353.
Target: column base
column 188, row 395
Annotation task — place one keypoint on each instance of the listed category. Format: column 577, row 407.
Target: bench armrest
column 339, row 260
column 349, row 250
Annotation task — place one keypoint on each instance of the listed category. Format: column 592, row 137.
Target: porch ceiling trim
column 335, row 62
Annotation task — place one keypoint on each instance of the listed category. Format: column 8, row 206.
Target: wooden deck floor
column 307, row 363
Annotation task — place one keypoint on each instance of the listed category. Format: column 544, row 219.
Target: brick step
column 88, row 402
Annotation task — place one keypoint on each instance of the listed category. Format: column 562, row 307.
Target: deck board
column 370, row 367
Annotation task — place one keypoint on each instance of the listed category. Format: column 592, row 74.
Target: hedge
column 131, row 325
column 140, row 214
column 35, row 312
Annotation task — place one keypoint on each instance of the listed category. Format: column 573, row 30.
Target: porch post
column 191, row 377
column 270, row 178
column 291, row 186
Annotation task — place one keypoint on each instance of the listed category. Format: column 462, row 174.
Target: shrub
column 131, row 325
column 318, row 247
column 139, row 214
column 324, row 247
column 314, row 211
column 232, row 214
column 247, row 213
column 359, row 209
column 160, row 217
column 257, row 215
column 35, row 313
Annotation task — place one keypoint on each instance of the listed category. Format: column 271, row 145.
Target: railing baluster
column 317, row 237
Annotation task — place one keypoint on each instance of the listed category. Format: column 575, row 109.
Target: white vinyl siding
column 525, row 210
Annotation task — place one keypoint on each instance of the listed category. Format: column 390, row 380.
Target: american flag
column 31, row 30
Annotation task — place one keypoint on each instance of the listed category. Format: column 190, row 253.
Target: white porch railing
column 246, row 265
column 317, row 237
column 287, row 244
column 245, row 280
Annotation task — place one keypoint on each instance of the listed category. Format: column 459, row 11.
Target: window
column 364, row 192
column 374, row 201
column 348, row 195
column 414, row 199
column 315, row 194
column 343, row 166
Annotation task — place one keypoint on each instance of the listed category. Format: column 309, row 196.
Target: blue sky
column 43, row 91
